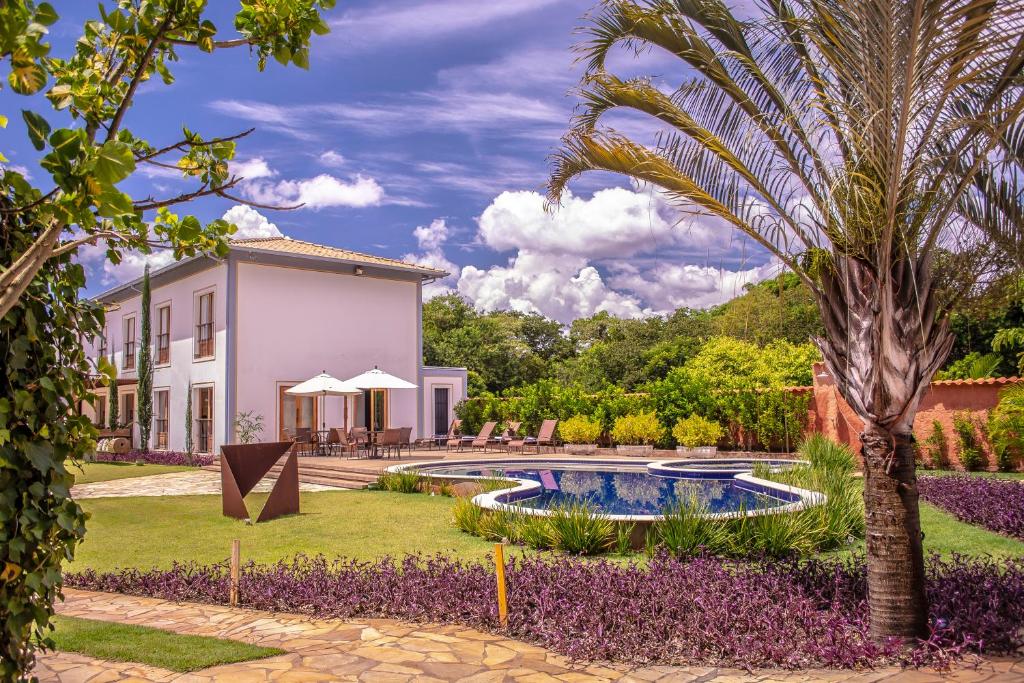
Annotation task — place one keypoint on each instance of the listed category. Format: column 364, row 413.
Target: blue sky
column 422, row 131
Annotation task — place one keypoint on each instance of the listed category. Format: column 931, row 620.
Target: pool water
column 620, row 490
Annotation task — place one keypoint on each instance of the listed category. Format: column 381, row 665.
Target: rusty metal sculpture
column 242, row 467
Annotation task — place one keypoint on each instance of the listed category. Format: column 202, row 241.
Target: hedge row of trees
column 735, row 383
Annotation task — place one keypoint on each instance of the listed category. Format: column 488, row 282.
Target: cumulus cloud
column 625, row 252
column 319, row 192
column 250, row 222
column 431, row 240
column 251, row 169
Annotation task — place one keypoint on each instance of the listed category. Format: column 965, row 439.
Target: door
column 296, row 412
column 375, row 409
column 128, row 409
column 204, row 419
column 441, row 415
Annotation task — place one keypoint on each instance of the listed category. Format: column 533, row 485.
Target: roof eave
column 423, row 272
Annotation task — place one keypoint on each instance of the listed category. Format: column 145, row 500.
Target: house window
column 204, row 419
column 295, row 413
column 103, row 350
column 163, row 335
column 204, row 326
column 101, row 410
column 129, row 343
column 128, row 409
column 161, row 401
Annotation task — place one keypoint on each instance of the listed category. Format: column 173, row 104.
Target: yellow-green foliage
column 579, row 530
column 400, row 482
column 696, row 431
column 639, row 429
column 580, row 429
column 468, row 516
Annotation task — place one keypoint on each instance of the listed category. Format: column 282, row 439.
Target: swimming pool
column 625, row 489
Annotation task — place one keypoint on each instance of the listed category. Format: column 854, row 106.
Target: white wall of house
column 183, row 367
column 294, row 323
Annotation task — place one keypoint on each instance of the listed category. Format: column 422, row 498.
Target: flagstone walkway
column 199, row 482
column 390, row 651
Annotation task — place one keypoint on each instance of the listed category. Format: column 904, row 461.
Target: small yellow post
column 499, row 566
column 236, row 561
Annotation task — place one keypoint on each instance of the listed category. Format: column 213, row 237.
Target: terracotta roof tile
column 288, row 245
column 987, row 380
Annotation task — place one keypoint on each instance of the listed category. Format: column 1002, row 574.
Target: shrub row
column 996, row 504
column 704, row 611
column 159, row 458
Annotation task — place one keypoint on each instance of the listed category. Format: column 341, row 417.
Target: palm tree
column 847, row 138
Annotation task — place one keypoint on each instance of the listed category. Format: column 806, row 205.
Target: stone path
column 390, row 651
column 199, row 482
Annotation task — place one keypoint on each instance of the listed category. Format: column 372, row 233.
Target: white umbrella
column 378, row 379
column 324, row 385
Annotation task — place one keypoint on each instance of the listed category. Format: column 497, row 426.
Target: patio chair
column 454, row 438
column 511, row 432
column 359, row 437
column 404, row 439
column 484, row 437
column 391, row 439
column 545, row 437
column 303, row 440
column 339, row 441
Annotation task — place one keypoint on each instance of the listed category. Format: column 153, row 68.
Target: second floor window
column 204, row 326
column 129, row 344
column 163, row 335
column 128, row 408
column 102, row 351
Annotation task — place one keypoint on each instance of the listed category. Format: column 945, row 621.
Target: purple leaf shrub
column 996, row 504
column 160, row 458
column 705, row 611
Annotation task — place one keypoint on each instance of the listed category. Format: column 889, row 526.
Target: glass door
column 375, row 409
column 296, row 412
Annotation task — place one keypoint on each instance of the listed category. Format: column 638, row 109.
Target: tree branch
column 234, row 42
column 182, row 145
column 147, row 57
column 16, row 279
column 257, row 205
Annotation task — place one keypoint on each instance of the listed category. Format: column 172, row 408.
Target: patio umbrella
column 378, row 379
column 323, row 385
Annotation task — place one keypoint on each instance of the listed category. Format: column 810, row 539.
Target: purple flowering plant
column 996, row 504
column 706, row 610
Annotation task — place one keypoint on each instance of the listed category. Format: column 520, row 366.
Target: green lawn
column 88, row 472
column 148, row 532
column 154, row 532
column 126, row 643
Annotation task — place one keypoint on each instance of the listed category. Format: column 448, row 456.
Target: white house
column 275, row 312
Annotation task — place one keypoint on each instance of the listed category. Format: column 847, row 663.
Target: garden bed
column 178, row 458
column 995, row 504
column 704, row 611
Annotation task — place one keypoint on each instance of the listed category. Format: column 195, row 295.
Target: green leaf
column 38, row 128
column 114, row 163
column 189, row 229
column 112, row 203
column 45, row 14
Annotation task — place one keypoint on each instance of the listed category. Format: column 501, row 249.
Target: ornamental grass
column 706, row 610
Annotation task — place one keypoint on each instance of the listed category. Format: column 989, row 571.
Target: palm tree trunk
column 884, row 344
column 896, row 595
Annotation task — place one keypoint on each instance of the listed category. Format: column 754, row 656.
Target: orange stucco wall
column 832, row 416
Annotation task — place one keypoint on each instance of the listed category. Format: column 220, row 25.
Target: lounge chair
column 453, row 438
column 484, row 437
column 511, row 433
column 545, row 437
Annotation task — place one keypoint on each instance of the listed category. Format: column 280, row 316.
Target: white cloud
column 424, row 20
column 331, row 158
column 132, row 264
column 250, row 222
column 431, row 239
column 645, row 247
column 17, row 168
column 318, row 192
column 558, row 286
column 252, row 169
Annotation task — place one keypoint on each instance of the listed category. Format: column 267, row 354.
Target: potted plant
column 580, row 434
column 637, row 434
column 697, row 436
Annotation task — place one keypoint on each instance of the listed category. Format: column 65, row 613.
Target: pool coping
column 502, row 499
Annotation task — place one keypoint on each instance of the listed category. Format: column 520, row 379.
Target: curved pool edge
column 502, row 499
